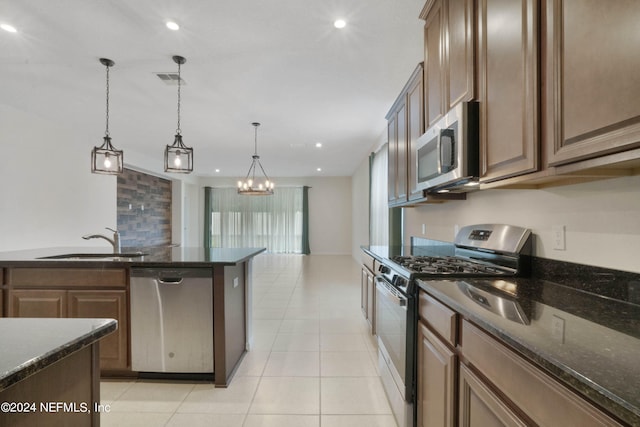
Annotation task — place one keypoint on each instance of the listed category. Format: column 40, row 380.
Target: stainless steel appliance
column 499, row 297
column 447, row 155
column 172, row 320
column 484, row 250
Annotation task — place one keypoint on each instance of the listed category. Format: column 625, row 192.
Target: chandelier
column 250, row 186
column 106, row 159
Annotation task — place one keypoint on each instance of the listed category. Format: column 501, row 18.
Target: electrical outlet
column 424, row 229
column 557, row 328
column 558, row 236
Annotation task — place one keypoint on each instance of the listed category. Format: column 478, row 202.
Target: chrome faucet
column 115, row 242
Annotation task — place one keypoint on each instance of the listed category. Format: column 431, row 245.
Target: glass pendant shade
column 106, row 159
column 178, row 157
column 252, row 186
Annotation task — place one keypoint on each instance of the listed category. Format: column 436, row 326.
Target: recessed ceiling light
column 319, row 169
column 9, row 28
column 318, row 144
column 217, row 170
column 339, row 23
column 173, row 26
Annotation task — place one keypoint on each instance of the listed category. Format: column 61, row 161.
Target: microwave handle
column 447, row 162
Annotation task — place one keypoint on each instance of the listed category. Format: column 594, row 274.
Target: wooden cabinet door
column 37, row 303
column 105, row 304
column 363, row 291
column 402, row 151
column 591, row 78
column 481, row 407
column 415, row 129
column 508, row 88
column 460, row 51
column 434, row 63
column 436, row 381
column 392, row 157
column 371, row 303
column 397, row 136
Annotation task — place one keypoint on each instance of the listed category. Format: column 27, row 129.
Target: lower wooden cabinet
column 367, row 298
column 37, row 303
column 481, row 407
column 105, row 304
column 436, row 381
column 467, row 377
column 75, row 292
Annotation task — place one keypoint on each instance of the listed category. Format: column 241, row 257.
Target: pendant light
column 106, row 159
column 178, row 157
column 250, row 186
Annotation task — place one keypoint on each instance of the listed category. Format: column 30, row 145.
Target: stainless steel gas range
column 483, row 250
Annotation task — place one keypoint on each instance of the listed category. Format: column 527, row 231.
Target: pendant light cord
column 256, row 140
column 179, row 85
column 107, row 126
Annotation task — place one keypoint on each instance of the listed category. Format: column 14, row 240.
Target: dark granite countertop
column 153, row 256
column 30, row 345
column 588, row 341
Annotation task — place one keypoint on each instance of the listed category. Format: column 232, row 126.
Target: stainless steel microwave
column 447, row 155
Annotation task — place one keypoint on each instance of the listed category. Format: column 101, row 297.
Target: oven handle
column 390, row 294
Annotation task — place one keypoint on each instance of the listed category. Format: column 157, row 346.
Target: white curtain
column 274, row 222
column 379, row 210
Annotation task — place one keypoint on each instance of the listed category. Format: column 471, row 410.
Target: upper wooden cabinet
column 591, row 79
column 405, row 124
column 448, row 56
column 508, row 88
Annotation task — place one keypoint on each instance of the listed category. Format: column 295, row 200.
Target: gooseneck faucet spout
column 115, row 242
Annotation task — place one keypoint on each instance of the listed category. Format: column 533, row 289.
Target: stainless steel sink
column 124, row 256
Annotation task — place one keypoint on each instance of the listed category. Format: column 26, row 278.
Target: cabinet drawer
column 540, row 397
column 369, row 262
column 440, row 317
column 66, row 277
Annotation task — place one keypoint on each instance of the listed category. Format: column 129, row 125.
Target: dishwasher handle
column 170, row 280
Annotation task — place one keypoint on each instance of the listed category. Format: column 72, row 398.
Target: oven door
column 395, row 349
column 391, row 324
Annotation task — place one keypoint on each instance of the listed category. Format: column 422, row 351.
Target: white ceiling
column 278, row 62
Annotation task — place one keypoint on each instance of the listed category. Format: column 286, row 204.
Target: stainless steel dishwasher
column 172, row 320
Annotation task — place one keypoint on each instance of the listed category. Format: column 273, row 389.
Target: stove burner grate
column 447, row 265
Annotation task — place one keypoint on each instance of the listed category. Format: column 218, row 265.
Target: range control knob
column 400, row 282
column 384, row 269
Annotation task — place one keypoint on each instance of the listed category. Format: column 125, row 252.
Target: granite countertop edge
column 154, row 257
column 568, row 376
column 36, row 364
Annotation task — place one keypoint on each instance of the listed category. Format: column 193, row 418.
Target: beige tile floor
column 313, row 363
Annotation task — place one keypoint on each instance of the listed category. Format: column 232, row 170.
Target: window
column 378, row 209
column 276, row 222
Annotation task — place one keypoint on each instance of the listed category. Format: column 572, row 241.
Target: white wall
column 329, row 210
column 48, row 195
column 602, row 219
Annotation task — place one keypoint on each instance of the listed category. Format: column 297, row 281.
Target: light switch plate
column 558, row 236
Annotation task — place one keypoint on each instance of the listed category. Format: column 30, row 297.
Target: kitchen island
column 93, row 282
column 49, row 372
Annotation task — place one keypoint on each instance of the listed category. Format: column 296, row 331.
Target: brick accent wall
column 144, row 209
